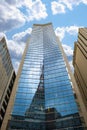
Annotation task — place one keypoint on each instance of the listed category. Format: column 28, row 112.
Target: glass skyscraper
column 44, row 98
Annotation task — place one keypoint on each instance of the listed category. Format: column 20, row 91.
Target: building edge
column 8, row 78
column 77, row 89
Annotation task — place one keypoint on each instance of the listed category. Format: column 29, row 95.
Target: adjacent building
column 7, row 77
column 43, row 96
column 80, row 69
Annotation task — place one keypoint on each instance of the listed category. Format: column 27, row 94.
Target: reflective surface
column 44, row 98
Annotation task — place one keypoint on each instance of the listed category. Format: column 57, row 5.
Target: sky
column 18, row 16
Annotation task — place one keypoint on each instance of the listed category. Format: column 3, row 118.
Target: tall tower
column 42, row 95
column 80, row 69
column 7, row 77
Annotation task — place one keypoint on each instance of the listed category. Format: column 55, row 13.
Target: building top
column 85, row 28
column 42, row 24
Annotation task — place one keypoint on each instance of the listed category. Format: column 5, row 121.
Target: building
column 80, row 70
column 42, row 97
column 7, row 77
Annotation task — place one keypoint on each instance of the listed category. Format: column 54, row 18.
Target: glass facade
column 44, row 98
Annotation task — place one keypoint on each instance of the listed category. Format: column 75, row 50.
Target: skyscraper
column 43, row 95
column 7, row 77
column 80, row 69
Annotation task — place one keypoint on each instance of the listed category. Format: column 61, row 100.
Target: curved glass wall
column 44, row 98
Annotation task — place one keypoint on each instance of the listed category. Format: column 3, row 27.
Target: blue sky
column 18, row 16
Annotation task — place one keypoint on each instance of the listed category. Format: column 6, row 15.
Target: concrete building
column 80, row 70
column 43, row 97
column 7, row 77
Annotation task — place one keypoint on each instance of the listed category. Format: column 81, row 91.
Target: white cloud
column 71, row 30
column 85, row 1
column 15, row 13
column 10, row 17
column 65, row 4
column 37, row 10
column 17, row 44
column 11, row 2
column 71, row 3
column 15, row 47
column 22, row 36
column 16, row 50
column 68, row 50
column 60, row 32
column 57, row 8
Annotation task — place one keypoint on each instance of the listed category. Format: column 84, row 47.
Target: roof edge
column 42, row 24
